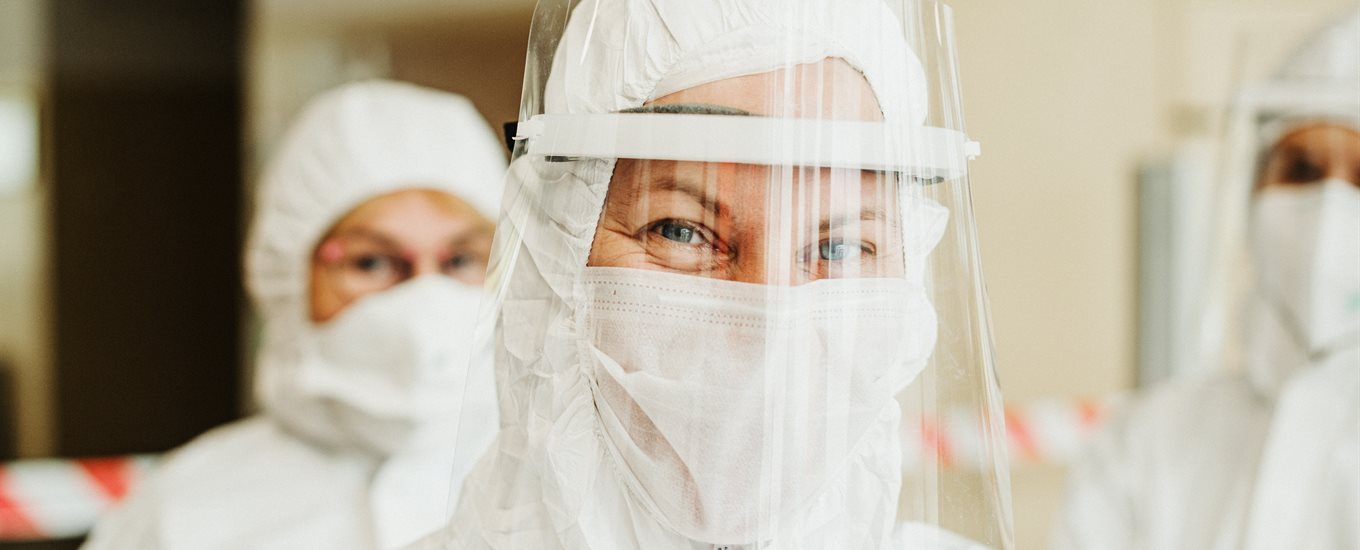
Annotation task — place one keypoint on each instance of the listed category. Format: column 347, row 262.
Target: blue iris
column 677, row 232
column 834, row 251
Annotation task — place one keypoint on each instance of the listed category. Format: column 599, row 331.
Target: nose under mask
column 1306, row 248
column 734, row 405
column 385, row 375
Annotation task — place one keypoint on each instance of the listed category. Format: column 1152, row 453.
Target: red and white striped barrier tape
column 1044, row 432
column 55, row 499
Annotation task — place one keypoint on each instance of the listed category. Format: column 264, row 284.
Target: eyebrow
column 461, row 238
column 466, row 237
column 361, row 232
column 869, row 213
column 690, row 189
column 687, row 109
column 1294, row 150
column 697, row 193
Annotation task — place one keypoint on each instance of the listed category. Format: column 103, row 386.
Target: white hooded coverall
column 553, row 480
column 322, row 468
column 1264, row 455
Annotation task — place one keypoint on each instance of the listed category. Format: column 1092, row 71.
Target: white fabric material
column 1172, row 471
column 622, row 58
column 1183, row 469
column 1307, row 257
column 255, row 485
column 1331, row 61
column 385, row 376
column 1263, row 455
column 355, row 447
column 1333, row 56
column 1309, row 482
column 834, row 352
column 565, row 473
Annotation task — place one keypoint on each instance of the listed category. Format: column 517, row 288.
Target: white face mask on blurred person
column 385, row 373
column 1306, row 245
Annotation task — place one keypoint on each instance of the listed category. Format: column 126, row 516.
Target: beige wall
column 24, row 308
column 1063, row 96
column 465, row 46
column 24, row 319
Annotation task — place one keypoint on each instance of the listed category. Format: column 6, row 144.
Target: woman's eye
column 458, row 261
column 833, row 251
column 373, row 264
column 679, row 232
column 1303, row 171
column 837, row 250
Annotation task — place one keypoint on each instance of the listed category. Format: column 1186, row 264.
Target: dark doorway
column 145, row 124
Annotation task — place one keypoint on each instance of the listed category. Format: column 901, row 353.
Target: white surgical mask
column 1306, row 245
column 385, row 375
column 735, row 406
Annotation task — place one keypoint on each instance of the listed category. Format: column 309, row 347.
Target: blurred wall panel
column 146, row 162
column 481, row 58
column 24, row 306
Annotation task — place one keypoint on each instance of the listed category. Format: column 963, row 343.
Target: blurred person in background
column 1265, row 455
column 365, row 261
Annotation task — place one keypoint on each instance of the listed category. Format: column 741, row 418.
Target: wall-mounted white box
column 18, row 143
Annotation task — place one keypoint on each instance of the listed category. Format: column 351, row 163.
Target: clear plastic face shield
column 737, row 294
column 1289, row 227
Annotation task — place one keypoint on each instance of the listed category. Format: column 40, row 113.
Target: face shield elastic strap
column 1283, row 98
column 1278, row 108
column 925, row 153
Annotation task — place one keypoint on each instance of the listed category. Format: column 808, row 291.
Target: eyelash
column 866, row 249
column 1303, row 170
column 702, row 232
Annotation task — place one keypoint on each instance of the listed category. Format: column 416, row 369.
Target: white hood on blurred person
column 1305, row 242
column 361, row 414
column 1307, row 252
column 352, row 145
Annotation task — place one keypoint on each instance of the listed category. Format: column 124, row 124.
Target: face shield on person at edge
column 1260, row 450
column 738, row 279
column 1301, row 145
column 1298, row 158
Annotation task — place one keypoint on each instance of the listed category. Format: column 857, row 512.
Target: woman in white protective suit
column 1266, row 454
column 365, row 261
column 736, row 273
